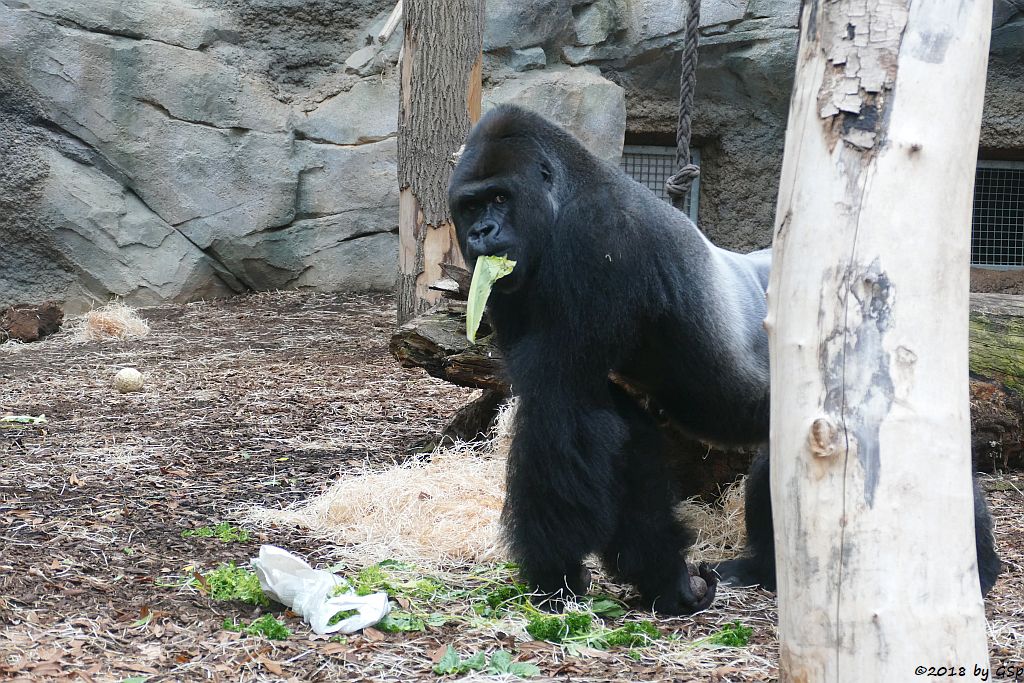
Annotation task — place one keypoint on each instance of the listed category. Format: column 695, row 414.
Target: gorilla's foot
column 694, row 592
column 553, row 597
column 746, row 571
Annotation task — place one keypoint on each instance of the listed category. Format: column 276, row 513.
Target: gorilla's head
column 501, row 194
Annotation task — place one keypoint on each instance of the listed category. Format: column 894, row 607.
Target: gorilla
column 610, row 279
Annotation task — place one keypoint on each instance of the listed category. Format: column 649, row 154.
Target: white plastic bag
column 289, row 580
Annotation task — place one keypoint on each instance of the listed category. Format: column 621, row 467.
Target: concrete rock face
column 163, row 150
column 166, row 151
column 578, row 99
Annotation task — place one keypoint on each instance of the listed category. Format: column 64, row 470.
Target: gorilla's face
column 500, row 200
column 484, row 221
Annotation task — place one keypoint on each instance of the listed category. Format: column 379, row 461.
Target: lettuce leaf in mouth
column 488, row 270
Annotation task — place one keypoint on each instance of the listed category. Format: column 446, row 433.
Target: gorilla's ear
column 545, row 172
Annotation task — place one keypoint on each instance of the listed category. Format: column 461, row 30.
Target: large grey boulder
column 343, row 234
column 175, row 23
column 366, row 113
column 510, row 24
column 199, row 153
column 578, row 98
column 117, row 245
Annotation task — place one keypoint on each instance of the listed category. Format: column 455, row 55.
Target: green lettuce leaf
column 488, row 270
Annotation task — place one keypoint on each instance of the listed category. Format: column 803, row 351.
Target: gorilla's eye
column 500, row 199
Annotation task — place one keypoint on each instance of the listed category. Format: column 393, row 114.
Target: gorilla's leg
column 562, row 496
column 756, row 566
column 989, row 565
column 648, row 548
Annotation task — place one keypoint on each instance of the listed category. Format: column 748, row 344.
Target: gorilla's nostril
column 483, row 230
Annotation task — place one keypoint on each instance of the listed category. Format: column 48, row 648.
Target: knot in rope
column 678, row 185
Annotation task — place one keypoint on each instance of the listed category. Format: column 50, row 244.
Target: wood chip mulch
column 257, row 400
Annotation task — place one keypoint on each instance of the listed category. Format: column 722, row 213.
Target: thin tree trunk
column 868, row 318
column 440, row 99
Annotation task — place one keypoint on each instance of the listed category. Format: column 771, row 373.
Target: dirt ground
column 262, row 400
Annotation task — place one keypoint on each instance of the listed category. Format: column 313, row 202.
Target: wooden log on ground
column 436, row 341
column 997, row 381
column 29, row 323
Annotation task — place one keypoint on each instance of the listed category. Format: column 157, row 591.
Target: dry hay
column 437, row 511
column 719, row 526
column 446, row 509
column 115, row 320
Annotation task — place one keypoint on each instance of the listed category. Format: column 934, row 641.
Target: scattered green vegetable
column 229, row 582
column 734, row 634
column 500, row 663
column 224, row 531
column 607, row 608
column 488, row 270
column 342, row 616
column 451, row 663
column 401, row 622
column 371, row 580
column 21, row 421
column 510, row 595
column 632, row 634
column 559, row 628
column 267, row 626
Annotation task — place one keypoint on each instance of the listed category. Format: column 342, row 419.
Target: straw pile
column 115, row 320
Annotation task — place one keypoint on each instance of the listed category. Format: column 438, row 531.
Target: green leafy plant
column 559, row 628
column 371, row 580
column 400, row 622
column 500, row 664
column 633, row 634
column 451, row 663
column 342, row 616
column 607, row 608
column 229, row 582
column 511, row 595
column 733, row 634
column 227, row 533
column 267, row 626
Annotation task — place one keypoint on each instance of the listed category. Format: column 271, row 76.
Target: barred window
column 652, row 166
column 997, row 230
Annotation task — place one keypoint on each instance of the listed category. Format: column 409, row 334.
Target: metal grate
column 997, row 230
column 652, row 166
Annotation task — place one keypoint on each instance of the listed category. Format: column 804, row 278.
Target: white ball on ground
column 128, row 379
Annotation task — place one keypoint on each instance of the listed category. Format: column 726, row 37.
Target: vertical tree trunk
column 868, row 307
column 440, row 99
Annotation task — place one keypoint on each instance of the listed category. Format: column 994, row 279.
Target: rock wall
column 163, row 150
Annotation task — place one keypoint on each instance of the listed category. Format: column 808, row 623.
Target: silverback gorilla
column 609, row 278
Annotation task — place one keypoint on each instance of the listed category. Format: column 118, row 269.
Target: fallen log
column 29, row 323
column 436, row 341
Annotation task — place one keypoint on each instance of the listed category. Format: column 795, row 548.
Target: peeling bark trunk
column 868, row 321
column 440, row 98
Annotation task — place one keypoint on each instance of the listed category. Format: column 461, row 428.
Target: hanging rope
column 678, row 186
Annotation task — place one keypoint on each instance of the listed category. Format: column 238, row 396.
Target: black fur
column 610, row 278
